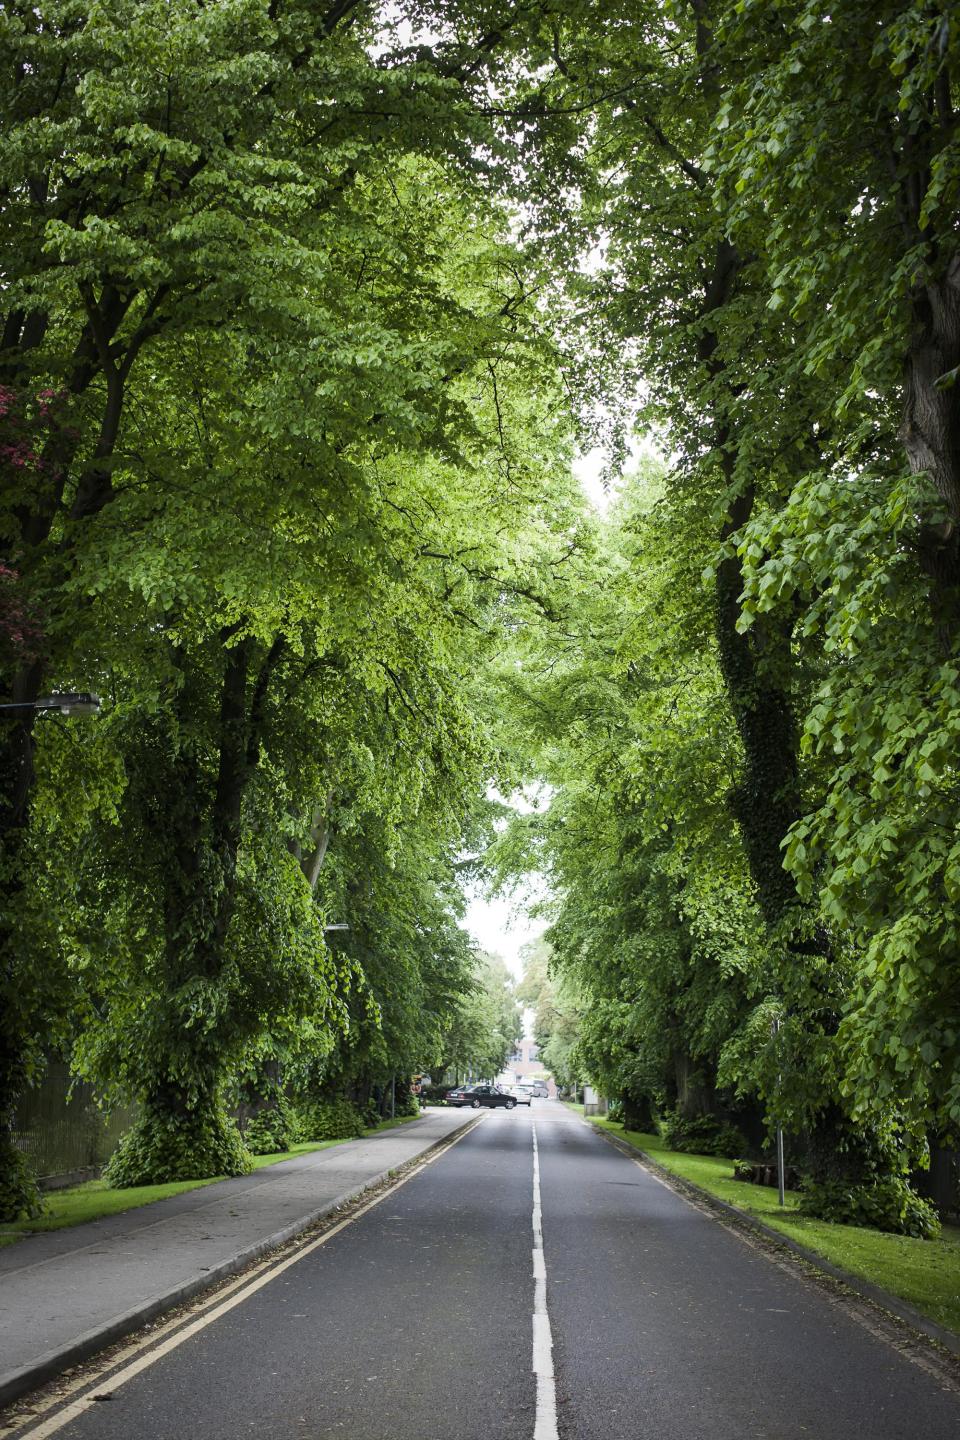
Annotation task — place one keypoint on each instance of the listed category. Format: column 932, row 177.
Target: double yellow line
column 140, row 1354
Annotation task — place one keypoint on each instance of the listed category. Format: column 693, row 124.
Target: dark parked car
column 477, row 1095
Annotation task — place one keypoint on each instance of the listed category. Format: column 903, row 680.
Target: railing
column 66, row 1137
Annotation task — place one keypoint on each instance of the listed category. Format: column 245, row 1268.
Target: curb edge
column 884, row 1299
column 17, row 1383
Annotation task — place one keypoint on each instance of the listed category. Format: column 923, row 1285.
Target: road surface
column 531, row 1245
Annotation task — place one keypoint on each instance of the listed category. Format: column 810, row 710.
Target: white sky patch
column 502, row 926
column 588, row 469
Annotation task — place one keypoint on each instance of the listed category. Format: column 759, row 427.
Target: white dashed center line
column 546, row 1422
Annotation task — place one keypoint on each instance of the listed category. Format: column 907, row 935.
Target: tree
column 858, row 108
column 488, row 1025
column 557, row 1012
column 703, row 231
column 325, row 392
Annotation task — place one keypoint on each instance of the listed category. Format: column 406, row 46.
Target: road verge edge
column 51, row 1365
column 882, row 1299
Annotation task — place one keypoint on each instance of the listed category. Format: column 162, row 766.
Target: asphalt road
column 415, row 1322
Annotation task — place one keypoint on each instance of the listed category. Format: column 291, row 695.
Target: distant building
column 524, row 1063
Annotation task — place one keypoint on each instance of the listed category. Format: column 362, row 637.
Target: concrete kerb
column 884, row 1299
column 48, row 1366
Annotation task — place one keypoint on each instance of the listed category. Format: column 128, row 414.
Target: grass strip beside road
column 94, row 1200
column 397, row 1120
column 924, row 1272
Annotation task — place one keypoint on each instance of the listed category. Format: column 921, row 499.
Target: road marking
column 545, row 1427
column 891, row 1330
column 106, row 1381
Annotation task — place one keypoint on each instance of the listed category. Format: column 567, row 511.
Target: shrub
column 19, row 1194
column 272, row 1129
column 435, row 1094
column 615, row 1112
column 638, row 1111
column 370, row 1115
column 729, row 1140
column 406, row 1102
column 885, row 1203
column 161, row 1147
column 700, row 1134
column 330, row 1120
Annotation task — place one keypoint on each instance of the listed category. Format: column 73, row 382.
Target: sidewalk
column 68, row 1293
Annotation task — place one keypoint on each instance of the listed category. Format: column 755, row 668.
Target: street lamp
column 775, row 1033
column 71, row 702
column 340, row 925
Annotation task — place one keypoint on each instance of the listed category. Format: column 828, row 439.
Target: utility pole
column 775, row 1032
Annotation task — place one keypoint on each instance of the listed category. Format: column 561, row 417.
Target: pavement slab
column 68, row 1293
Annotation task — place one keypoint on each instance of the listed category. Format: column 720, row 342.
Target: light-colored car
column 520, row 1093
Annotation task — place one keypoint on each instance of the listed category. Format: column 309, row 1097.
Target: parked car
column 520, row 1093
column 476, row 1095
column 539, row 1090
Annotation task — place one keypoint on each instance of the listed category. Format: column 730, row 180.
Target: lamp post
column 71, row 702
column 775, row 1033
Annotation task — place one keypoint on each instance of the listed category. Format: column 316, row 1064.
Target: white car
column 520, row 1093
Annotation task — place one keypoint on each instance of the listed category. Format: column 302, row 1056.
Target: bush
column 638, row 1111
column 435, row 1094
column 406, row 1102
column 370, row 1115
column 729, row 1141
column 615, row 1112
column 330, row 1120
column 700, row 1134
column 272, row 1129
column 886, row 1203
column 19, row 1194
column 162, row 1147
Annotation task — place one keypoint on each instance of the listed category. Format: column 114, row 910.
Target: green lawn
column 95, row 1199
column 925, row 1272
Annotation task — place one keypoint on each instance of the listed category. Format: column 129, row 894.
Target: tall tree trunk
column 930, row 432
column 765, row 801
column 30, row 555
column 183, row 1129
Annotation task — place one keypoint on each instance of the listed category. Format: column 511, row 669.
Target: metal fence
column 941, row 1183
column 64, row 1136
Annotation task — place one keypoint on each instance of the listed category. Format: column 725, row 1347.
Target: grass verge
column 924, row 1272
column 77, row 1204
column 391, row 1124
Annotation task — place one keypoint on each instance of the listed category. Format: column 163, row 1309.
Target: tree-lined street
column 69, row 1292
column 458, row 448
column 415, row 1322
